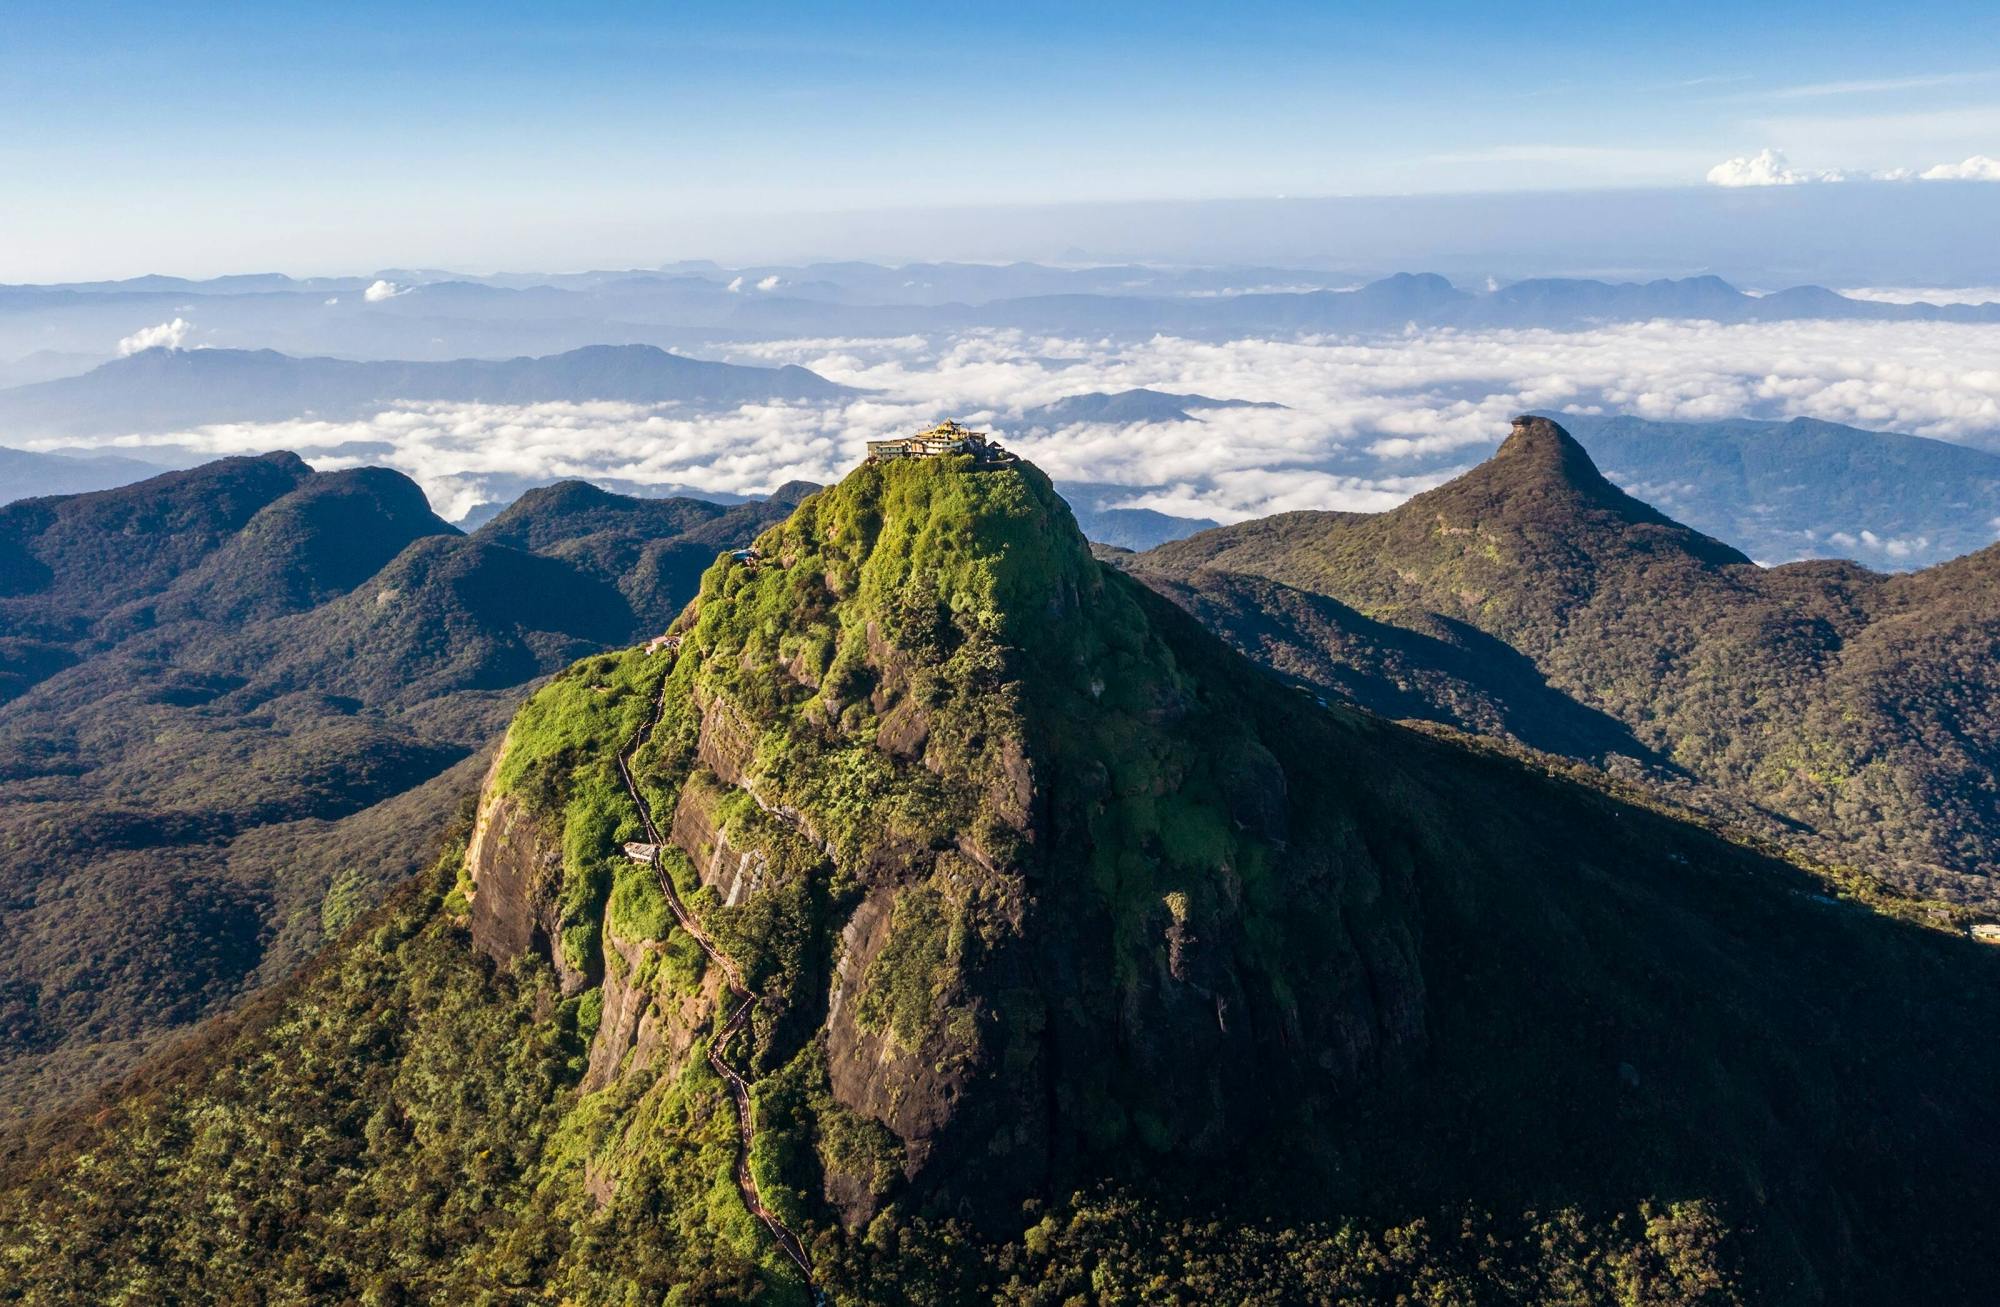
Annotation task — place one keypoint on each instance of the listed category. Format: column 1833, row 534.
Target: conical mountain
column 1541, row 477
column 1512, row 544
column 965, row 724
column 1825, row 706
column 945, row 913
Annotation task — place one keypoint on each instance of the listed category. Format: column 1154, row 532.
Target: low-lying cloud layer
column 1769, row 167
column 1366, row 423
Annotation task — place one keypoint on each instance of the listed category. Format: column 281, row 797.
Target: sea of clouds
column 1366, row 421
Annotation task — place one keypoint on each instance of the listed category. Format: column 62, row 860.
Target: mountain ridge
column 160, row 389
column 1788, row 692
column 235, row 700
column 1137, row 405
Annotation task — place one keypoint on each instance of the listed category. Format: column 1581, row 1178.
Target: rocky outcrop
column 728, row 743
column 514, row 863
column 733, row 873
column 1068, row 856
column 963, row 1087
column 640, row 1027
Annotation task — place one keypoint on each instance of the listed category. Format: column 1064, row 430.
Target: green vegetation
column 1847, row 715
column 637, row 909
column 914, row 970
column 344, row 902
column 1090, row 965
column 238, row 703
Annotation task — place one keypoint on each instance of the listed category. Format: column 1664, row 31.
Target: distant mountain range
column 1130, row 406
column 160, row 390
column 25, row 475
column 432, row 315
column 1780, row 491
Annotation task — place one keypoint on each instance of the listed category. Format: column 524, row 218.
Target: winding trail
column 739, row 1020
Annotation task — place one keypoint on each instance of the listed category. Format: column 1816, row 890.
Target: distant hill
column 1804, row 488
column 1126, row 528
column 1387, row 304
column 653, row 550
column 441, row 316
column 1430, row 300
column 235, row 703
column 25, row 475
column 1130, row 406
column 160, row 390
column 1849, row 713
column 46, row 365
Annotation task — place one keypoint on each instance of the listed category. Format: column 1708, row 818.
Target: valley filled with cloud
column 1365, row 421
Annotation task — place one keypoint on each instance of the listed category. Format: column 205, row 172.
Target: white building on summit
column 947, row 437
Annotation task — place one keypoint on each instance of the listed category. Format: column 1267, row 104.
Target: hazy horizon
column 509, row 136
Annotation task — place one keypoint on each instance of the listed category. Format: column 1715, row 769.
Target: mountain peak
column 794, row 492
column 907, row 694
column 1542, row 481
column 995, row 540
column 1544, row 444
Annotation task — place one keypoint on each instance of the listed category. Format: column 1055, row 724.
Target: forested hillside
column 1846, row 712
column 237, row 703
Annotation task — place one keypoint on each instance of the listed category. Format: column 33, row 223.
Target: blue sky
column 212, row 138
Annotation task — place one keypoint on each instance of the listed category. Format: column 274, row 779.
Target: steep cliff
column 1029, row 888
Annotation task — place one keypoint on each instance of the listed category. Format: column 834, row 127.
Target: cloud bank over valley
column 1353, row 423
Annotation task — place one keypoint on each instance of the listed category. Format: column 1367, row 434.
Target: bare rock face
column 639, row 1029
column 962, row 1088
column 735, row 874
column 728, row 742
column 871, row 1071
column 515, row 863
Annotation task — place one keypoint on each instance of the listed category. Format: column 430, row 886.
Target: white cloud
column 771, row 282
column 1767, row 167
column 735, row 286
column 1892, row 547
column 1978, row 168
column 332, row 300
column 1368, row 420
column 165, row 335
column 384, row 290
